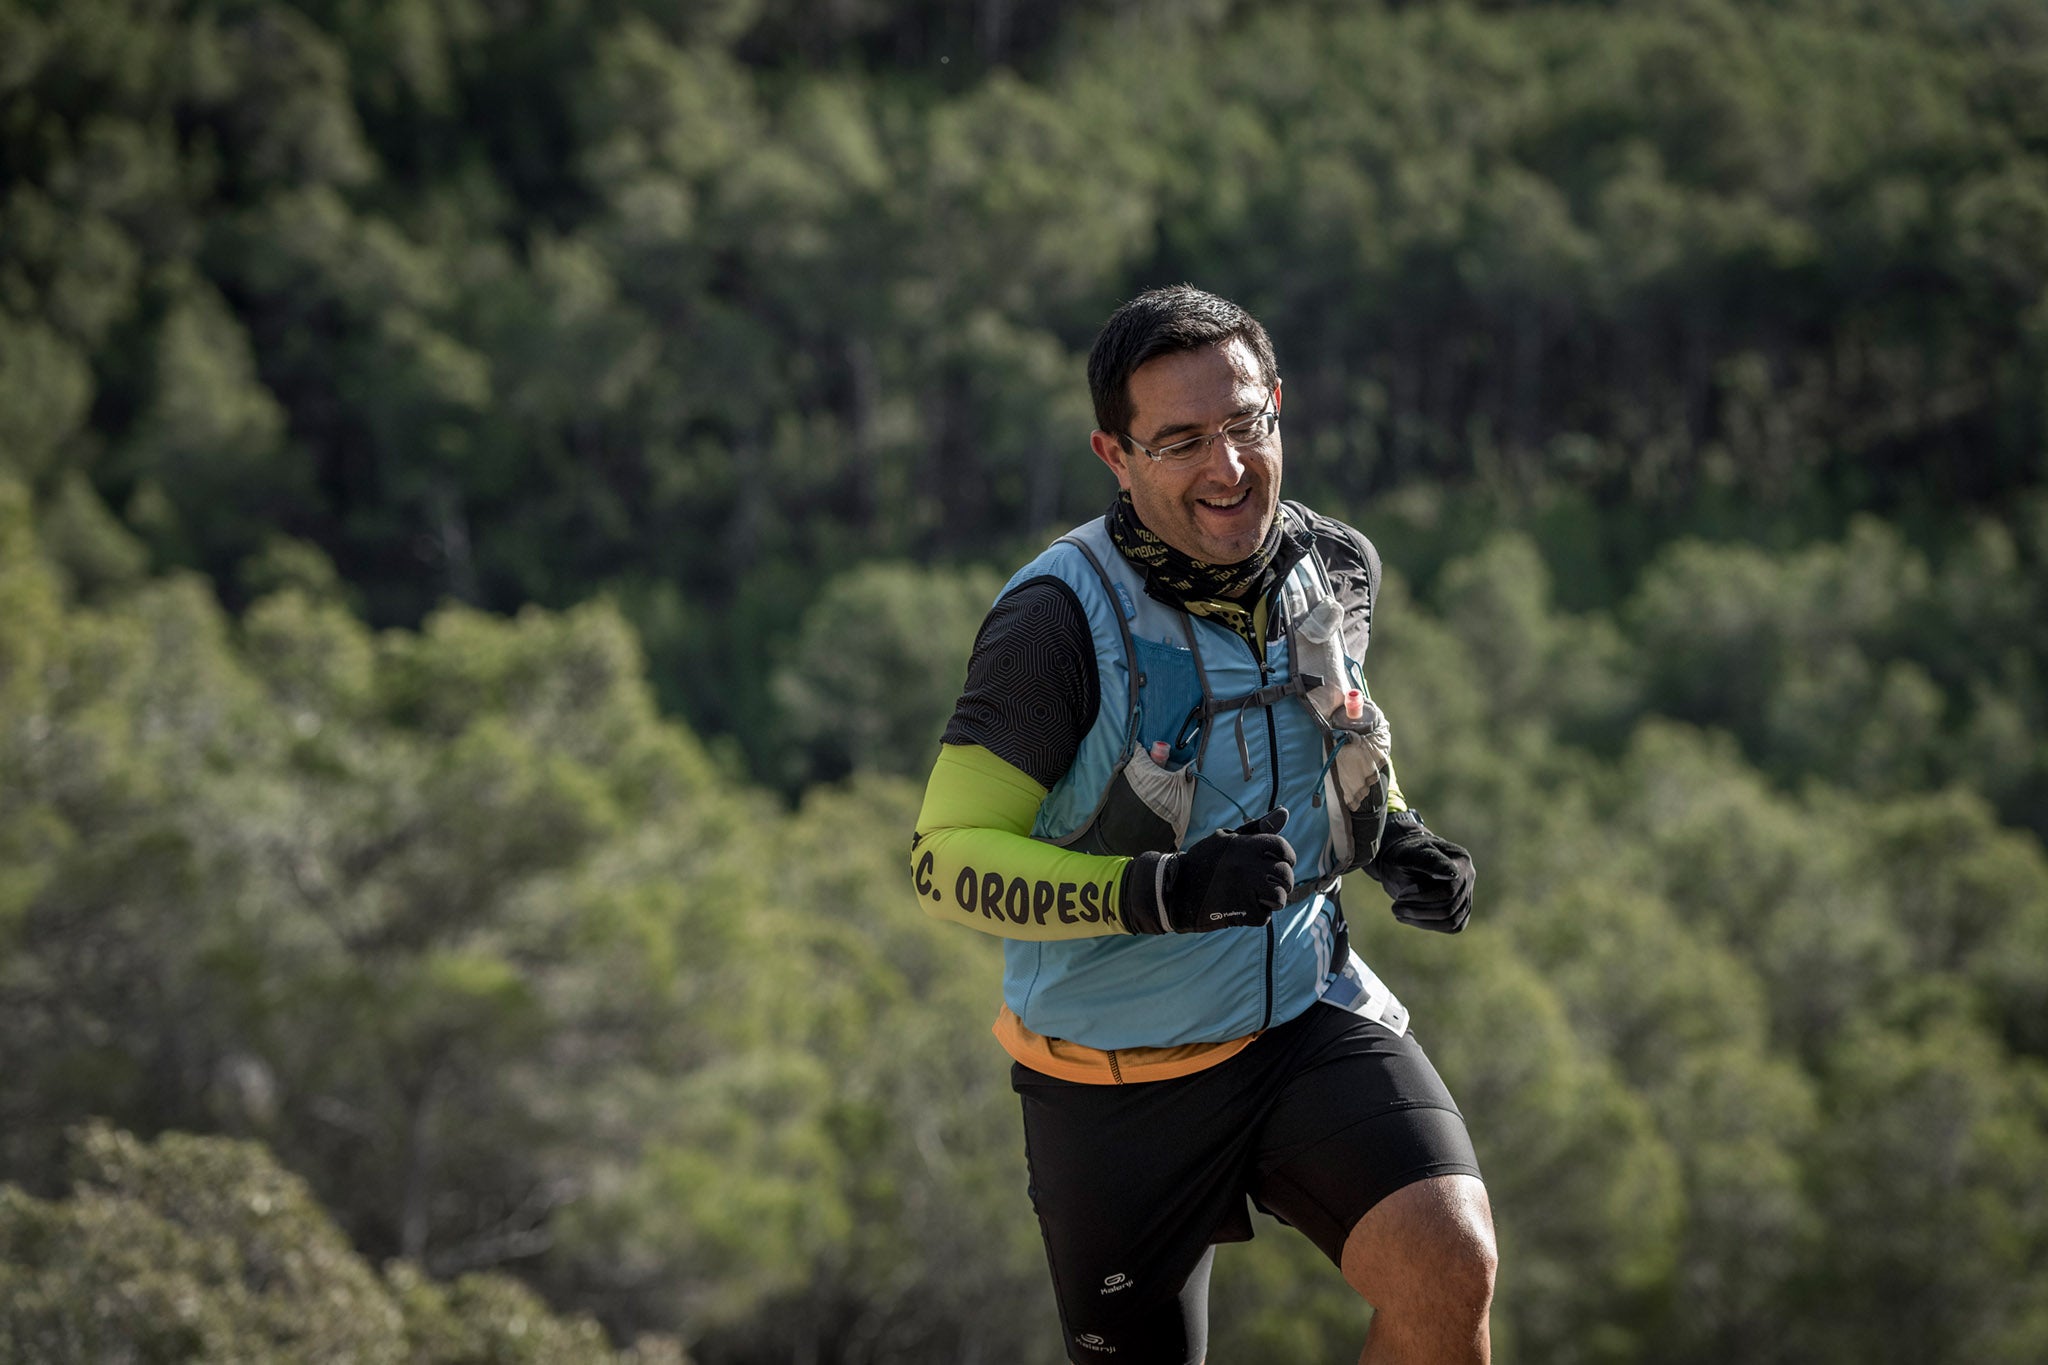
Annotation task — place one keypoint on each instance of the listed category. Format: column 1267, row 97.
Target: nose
column 1233, row 458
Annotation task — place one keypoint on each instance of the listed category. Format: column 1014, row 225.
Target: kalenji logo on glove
column 1117, row 1282
column 1095, row 1343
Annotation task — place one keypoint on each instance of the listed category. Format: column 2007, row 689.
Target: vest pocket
column 1145, row 810
column 1364, row 823
column 1357, row 785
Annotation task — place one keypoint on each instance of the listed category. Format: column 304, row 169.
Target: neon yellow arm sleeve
column 975, row 863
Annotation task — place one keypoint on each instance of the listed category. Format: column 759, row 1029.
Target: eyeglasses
column 1243, row 434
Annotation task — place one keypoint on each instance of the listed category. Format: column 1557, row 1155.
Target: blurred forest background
column 495, row 496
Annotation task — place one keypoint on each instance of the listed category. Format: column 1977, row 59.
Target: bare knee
column 1428, row 1247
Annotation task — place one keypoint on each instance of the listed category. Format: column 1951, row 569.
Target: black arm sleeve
column 1032, row 683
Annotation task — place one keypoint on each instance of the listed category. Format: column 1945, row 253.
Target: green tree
column 875, row 667
column 196, row 1249
column 1929, row 1175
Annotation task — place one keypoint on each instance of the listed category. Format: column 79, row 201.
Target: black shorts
column 1316, row 1121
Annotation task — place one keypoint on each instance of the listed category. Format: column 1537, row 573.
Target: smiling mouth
column 1225, row 504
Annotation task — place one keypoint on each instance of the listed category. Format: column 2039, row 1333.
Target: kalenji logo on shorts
column 1117, row 1282
column 1095, row 1343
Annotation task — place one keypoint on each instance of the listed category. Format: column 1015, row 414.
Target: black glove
column 1232, row 878
column 1429, row 877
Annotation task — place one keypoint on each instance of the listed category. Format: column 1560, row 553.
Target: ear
column 1276, row 394
column 1111, row 452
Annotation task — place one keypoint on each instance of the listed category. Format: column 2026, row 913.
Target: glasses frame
column 1198, row 446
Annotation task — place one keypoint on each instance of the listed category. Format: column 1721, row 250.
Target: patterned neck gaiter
column 1224, row 592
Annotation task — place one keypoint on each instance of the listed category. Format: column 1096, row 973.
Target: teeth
column 1226, row 504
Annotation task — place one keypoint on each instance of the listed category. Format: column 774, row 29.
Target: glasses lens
column 1251, row 430
column 1182, row 451
column 1248, row 431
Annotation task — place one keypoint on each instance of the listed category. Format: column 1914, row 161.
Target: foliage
column 704, row 306
column 875, row 667
column 494, row 502
column 497, row 959
column 201, row 1249
column 516, row 976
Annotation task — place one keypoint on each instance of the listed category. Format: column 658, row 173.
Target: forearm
column 974, row 862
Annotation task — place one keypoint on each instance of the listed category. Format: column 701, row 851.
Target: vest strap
column 1123, row 626
column 1268, row 695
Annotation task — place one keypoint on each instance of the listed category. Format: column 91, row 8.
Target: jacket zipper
column 1272, row 797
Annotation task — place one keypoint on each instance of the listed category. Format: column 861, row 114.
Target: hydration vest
column 1241, row 736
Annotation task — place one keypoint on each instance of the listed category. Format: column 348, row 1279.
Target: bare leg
column 1424, row 1258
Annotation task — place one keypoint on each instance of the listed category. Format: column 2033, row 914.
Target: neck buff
column 1224, row 592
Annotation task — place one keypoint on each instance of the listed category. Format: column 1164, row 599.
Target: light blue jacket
column 1248, row 741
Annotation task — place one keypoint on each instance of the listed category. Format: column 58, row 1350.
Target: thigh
column 1132, row 1184
column 1363, row 1114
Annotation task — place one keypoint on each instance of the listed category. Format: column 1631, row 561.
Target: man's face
column 1216, row 507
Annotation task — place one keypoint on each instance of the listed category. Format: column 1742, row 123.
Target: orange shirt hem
column 1071, row 1061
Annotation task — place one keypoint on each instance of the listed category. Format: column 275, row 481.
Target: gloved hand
column 1232, row 878
column 1429, row 877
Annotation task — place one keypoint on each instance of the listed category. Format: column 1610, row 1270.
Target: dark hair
column 1165, row 322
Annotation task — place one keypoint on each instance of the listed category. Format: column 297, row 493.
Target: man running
column 1164, row 759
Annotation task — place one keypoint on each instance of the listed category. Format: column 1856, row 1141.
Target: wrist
column 1142, row 901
